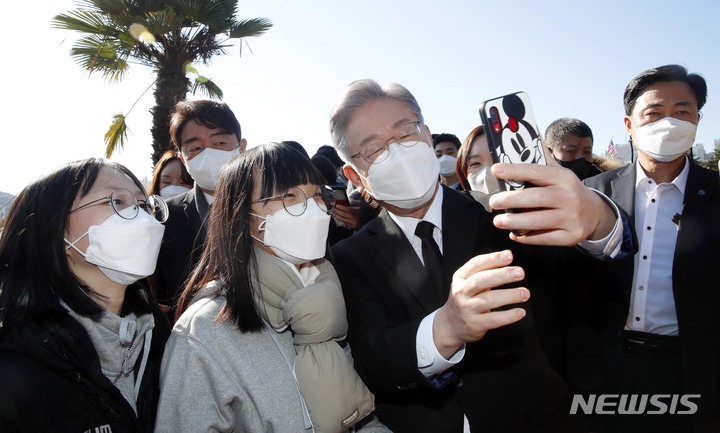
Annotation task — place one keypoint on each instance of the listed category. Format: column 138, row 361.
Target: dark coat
column 51, row 381
column 504, row 382
column 182, row 244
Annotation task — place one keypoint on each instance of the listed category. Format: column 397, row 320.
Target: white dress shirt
column 657, row 222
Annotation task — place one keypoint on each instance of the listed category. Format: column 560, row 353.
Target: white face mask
column 447, row 165
column 124, row 250
column 482, row 180
column 407, row 178
column 296, row 239
column 172, row 191
column 205, row 166
column 666, row 139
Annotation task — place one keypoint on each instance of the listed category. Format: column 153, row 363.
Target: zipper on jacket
column 134, row 421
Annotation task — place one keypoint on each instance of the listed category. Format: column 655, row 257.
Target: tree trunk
column 171, row 87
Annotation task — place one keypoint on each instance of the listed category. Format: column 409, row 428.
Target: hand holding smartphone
column 513, row 135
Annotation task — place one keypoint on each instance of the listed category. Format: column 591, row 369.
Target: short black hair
column 665, row 73
column 297, row 146
column 452, row 138
column 563, row 127
column 210, row 114
column 326, row 167
column 330, row 153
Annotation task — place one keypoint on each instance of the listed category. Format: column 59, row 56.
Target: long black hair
column 35, row 277
column 228, row 254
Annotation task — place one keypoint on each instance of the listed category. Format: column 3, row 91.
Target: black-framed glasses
column 377, row 151
column 128, row 207
column 295, row 200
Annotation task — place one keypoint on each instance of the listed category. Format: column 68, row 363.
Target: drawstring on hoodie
column 128, row 332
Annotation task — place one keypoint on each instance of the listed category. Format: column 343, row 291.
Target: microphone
column 676, row 218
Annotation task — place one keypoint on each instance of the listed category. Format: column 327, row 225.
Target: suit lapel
column 623, row 190
column 700, row 190
column 391, row 245
column 461, row 220
column 191, row 212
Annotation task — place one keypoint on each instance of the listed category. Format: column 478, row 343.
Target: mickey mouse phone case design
column 512, row 133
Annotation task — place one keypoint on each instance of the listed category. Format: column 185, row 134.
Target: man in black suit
column 658, row 310
column 437, row 347
column 207, row 135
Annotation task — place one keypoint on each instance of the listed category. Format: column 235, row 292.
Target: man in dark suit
column 440, row 350
column 207, row 135
column 658, row 311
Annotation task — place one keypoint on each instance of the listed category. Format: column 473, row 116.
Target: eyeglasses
column 377, row 151
column 128, row 207
column 295, row 200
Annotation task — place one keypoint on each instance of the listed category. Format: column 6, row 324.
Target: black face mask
column 581, row 167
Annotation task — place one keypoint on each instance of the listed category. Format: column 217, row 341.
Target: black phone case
column 512, row 133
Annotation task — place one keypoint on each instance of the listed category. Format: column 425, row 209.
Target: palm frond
column 207, row 87
column 162, row 22
column 210, row 13
column 250, row 27
column 116, row 135
column 100, row 54
column 82, row 21
column 108, row 7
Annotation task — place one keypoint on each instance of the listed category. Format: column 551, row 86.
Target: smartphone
column 512, row 133
column 341, row 195
column 513, row 136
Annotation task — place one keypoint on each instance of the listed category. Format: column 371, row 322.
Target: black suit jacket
column 695, row 286
column 182, row 244
column 504, row 382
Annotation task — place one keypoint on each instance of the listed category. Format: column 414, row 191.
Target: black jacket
column 504, row 383
column 51, row 381
column 182, row 244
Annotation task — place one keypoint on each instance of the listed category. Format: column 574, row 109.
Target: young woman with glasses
column 260, row 342
column 81, row 339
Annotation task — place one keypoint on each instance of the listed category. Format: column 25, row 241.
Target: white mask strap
column 72, row 244
column 261, row 227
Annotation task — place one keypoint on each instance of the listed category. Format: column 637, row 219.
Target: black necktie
column 431, row 253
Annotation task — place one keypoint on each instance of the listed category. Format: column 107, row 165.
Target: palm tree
column 167, row 36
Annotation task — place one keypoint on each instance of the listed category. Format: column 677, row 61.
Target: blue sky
column 574, row 58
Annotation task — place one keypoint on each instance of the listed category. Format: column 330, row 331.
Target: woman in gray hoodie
column 259, row 345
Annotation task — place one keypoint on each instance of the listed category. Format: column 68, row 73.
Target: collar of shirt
column 642, row 184
column 433, row 215
column 307, row 273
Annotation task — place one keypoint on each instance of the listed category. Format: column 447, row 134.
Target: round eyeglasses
column 377, row 151
column 128, row 207
column 295, row 200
